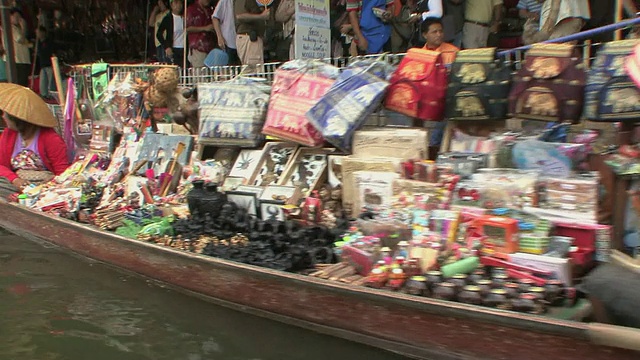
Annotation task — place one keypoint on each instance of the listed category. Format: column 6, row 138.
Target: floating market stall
column 272, row 195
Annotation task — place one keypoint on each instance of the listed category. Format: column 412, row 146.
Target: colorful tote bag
column 550, row 85
column 419, row 85
column 478, row 86
column 355, row 95
column 610, row 94
column 297, row 87
column 232, row 113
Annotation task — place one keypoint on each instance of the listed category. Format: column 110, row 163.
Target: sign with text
column 313, row 29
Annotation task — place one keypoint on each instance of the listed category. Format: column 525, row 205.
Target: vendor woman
column 30, row 149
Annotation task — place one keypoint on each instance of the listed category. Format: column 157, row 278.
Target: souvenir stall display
column 503, row 218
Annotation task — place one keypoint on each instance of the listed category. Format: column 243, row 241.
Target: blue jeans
column 161, row 55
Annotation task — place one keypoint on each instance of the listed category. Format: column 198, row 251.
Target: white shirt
column 568, row 9
column 224, row 13
column 19, row 47
column 435, row 10
column 178, row 31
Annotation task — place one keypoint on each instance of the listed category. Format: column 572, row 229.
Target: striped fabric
column 530, row 5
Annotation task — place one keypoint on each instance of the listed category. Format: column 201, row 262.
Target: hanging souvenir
column 550, row 85
column 478, row 86
column 418, row 87
column 232, row 113
column 296, row 88
column 610, row 94
column 355, row 95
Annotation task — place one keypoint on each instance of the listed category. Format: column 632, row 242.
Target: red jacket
column 52, row 148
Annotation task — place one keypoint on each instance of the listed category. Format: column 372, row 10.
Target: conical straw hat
column 26, row 105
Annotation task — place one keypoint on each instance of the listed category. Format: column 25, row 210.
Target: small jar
column 445, row 291
column 433, row 278
column 525, row 285
column 555, row 291
column 500, row 279
column 413, row 267
column 471, row 294
column 417, row 285
column 485, row 286
column 512, row 289
column 539, row 292
column 460, row 280
column 377, row 278
column 525, row 303
column 497, row 298
column 477, row 276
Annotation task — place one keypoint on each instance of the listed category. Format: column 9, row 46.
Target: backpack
column 418, row 87
column 478, row 86
column 610, row 94
column 550, row 85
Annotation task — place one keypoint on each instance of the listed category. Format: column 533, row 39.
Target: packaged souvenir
column 232, row 112
column 296, row 88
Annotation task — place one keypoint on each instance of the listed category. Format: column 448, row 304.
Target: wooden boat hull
column 420, row 327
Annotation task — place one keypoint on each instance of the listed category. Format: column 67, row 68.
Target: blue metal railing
column 577, row 36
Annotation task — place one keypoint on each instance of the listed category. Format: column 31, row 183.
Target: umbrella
column 26, row 105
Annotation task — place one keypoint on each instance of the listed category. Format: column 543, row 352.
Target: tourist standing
column 171, row 34
column 21, row 47
column 481, row 18
column 250, row 26
column 200, row 32
column 157, row 15
column 224, row 24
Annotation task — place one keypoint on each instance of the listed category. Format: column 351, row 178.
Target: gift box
column 351, row 164
column 406, row 144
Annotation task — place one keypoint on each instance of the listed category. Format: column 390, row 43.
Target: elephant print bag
column 550, row 85
column 419, row 86
column 355, row 95
column 232, row 113
column 478, row 86
column 610, row 94
column 297, row 87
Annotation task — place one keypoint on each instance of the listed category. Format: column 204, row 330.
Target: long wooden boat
column 414, row 326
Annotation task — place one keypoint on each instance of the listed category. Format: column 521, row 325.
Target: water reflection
column 58, row 307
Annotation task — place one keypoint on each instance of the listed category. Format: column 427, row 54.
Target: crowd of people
column 232, row 32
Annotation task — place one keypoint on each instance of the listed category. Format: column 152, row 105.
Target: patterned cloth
column 26, row 157
column 530, row 5
column 200, row 16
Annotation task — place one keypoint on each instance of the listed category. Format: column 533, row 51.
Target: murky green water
column 57, row 306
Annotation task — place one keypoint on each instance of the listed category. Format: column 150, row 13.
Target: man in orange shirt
column 433, row 33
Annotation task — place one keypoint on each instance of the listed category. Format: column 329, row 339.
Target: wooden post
column 58, row 78
column 619, row 14
column 185, row 68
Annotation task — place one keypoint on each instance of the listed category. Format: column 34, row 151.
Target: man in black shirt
column 45, row 52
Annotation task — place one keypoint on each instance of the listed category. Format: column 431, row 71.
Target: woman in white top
column 21, row 47
column 171, row 34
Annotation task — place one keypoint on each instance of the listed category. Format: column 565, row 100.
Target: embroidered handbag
column 297, row 86
column 478, row 86
column 232, row 113
column 419, row 85
column 355, row 95
column 610, row 94
column 550, row 85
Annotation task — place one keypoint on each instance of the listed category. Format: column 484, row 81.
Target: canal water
column 55, row 306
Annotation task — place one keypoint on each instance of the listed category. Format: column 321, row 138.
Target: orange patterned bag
column 297, row 87
column 418, row 86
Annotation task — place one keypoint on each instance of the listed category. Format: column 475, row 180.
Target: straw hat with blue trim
column 26, row 105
